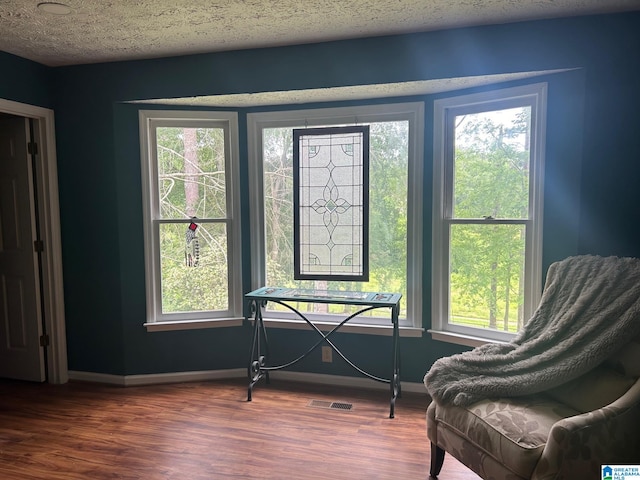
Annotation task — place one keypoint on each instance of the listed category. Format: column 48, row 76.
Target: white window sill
column 461, row 339
column 193, row 324
column 360, row 328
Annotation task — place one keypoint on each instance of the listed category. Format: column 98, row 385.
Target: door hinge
column 38, row 246
column 32, row 148
column 44, row 340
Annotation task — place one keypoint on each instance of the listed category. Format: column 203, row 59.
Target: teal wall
column 592, row 167
column 25, row 81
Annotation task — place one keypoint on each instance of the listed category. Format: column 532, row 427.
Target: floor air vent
column 331, row 405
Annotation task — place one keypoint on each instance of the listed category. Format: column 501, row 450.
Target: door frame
column 46, row 174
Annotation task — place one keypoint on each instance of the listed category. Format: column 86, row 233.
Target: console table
column 366, row 301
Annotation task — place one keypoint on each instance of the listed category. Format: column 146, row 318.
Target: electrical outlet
column 327, row 354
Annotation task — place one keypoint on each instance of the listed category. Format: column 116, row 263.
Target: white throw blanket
column 590, row 308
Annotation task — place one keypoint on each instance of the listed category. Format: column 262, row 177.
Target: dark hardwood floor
column 207, row 430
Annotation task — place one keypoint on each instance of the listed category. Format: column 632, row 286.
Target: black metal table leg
column 395, row 373
column 256, row 358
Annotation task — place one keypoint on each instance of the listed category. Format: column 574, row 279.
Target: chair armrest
column 579, row 445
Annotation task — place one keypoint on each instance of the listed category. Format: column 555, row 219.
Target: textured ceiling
column 111, row 30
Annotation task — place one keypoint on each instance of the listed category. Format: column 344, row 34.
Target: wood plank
column 207, row 430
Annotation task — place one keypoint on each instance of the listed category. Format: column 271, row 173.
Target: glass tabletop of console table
column 325, row 296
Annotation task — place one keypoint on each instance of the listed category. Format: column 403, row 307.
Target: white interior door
column 21, row 355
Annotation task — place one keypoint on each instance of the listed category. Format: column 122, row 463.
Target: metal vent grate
column 331, row 405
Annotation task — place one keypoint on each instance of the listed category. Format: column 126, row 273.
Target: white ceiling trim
column 359, row 92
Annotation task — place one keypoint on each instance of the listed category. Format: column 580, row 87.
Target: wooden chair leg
column 437, row 459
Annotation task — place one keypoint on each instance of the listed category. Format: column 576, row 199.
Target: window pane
column 203, row 285
column 491, row 164
column 388, row 213
column 191, row 172
column 487, row 281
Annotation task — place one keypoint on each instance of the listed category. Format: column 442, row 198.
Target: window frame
column 534, row 95
column 413, row 112
column 155, row 319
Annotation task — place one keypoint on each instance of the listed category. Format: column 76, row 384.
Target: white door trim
column 48, row 204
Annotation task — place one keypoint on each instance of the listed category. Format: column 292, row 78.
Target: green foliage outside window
column 191, row 183
column 491, row 182
column 388, row 213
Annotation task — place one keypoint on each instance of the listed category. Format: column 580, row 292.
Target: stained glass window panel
column 331, row 198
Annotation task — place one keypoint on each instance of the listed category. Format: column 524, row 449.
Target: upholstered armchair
column 566, row 433
column 562, row 399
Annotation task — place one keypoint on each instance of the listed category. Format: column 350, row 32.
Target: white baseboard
column 157, row 378
column 343, row 381
column 198, row 376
